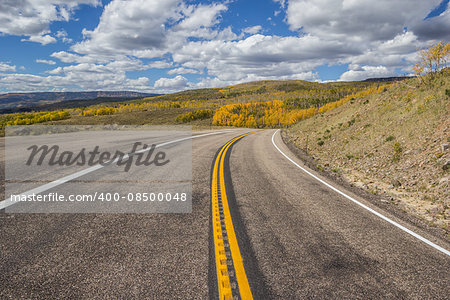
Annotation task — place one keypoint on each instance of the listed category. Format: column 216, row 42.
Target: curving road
column 297, row 239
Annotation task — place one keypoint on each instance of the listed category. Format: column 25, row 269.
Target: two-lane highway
column 296, row 238
column 311, row 242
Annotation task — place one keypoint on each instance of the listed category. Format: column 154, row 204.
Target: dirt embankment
column 394, row 144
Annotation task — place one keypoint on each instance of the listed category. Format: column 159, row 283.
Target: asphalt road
column 298, row 239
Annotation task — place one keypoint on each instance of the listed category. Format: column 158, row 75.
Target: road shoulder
column 383, row 202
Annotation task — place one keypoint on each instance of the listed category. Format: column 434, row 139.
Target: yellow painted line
column 223, row 279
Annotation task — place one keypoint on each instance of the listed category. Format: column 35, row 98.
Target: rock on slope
column 394, row 143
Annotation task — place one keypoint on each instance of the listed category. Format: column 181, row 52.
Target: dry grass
column 391, row 143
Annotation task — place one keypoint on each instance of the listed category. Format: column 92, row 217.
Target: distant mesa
column 12, row 102
column 388, row 79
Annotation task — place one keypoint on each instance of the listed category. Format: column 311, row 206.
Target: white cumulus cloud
column 252, row 30
column 182, row 71
column 365, row 72
column 357, row 20
column 32, row 18
column 43, row 39
column 5, row 67
column 44, row 61
column 176, row 83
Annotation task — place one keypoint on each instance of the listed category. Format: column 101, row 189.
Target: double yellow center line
column 231, row 278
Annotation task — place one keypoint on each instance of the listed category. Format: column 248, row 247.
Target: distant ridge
column 65, row 96
column 13, row 100
column 387, row 79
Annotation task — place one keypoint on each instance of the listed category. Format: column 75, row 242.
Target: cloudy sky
column 171, row 45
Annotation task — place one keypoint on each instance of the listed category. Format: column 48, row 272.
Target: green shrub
column 351, row 122
column 397, row 151
column 320, row 143
column 390, row 138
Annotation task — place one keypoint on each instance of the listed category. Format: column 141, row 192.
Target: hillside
column 395, row 143
column 269, row 90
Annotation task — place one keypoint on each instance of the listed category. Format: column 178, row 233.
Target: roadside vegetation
column 32, row 118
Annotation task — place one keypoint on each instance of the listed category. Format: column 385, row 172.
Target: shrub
column 34, row 118
column 351, row 122
column 390, row 138
column 397, row 151
column 421, row 108
column 320, row 143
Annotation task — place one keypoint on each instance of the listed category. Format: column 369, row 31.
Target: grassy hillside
column 395, row 143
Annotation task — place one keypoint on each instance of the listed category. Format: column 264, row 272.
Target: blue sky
column 171, row 45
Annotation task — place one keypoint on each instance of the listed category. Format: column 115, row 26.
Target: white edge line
column 8, row 202
column 362, row 205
